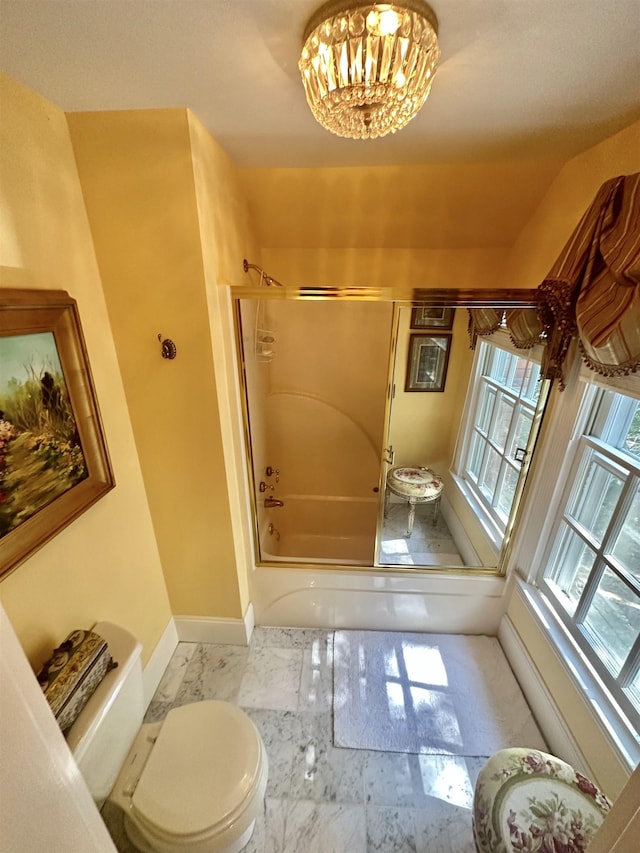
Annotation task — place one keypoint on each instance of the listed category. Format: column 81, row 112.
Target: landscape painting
column 40, row 451
column 54, row 462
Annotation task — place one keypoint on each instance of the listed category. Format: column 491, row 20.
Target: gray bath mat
column 427, row 693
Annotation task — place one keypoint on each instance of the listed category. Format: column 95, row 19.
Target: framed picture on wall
column 53, row 457
column 432, row 317
column 427, row 362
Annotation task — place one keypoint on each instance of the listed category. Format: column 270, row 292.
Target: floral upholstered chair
column 531, row 802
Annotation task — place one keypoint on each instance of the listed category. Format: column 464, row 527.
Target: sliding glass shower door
column 316, row 375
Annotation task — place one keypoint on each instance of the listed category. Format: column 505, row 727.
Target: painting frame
column 32, row 313
column 427, row 362
column 432, row 317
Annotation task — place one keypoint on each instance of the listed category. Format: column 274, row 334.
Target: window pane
column 613, row 618
column 627, row 547
column 569, row 570
column 521, row 433
column 501, row 426
column 632, row 442
column 531, row 390
column 519, row 373
column 595, row 496
column 475, row 456
column 501, row 367
column 486, row 408
column 490, row 473
column 507, row 491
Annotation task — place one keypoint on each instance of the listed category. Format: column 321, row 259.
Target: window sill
column 615, row 726
column 493, row 535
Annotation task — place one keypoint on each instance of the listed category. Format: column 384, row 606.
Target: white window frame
column 495, row 526
column 586, row 420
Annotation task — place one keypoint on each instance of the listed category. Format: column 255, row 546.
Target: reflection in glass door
column 506, row 396
column 315, row 401
column 473, row 433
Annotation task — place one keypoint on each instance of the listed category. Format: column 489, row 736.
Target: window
column 591, row 572
column 497, row 428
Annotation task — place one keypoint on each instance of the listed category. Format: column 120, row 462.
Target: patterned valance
column 523, row 324
column 592, row 292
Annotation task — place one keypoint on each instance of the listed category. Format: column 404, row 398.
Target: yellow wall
column 137, row 177
column 226, row 238
column 105, row 565
column 551, row 225
column 400, row 269
column 420, row 206
column 424, row 426
column 534, row 253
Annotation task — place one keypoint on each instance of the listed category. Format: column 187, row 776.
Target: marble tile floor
column 429, row 544
column 320, row 799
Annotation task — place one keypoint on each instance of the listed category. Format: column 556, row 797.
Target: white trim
column 249, row 622
column 212, row 629
column 554, row 448
column 486, row 527
column 552, row 724
column 460, row 535
column 629, row 385
column 616, row 731
column 159, row 660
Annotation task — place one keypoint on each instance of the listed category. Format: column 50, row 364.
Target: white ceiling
column 518, row 79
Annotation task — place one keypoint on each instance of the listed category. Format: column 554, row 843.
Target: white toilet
column 194, row 782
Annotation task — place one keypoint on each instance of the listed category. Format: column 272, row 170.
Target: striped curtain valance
column 523, row 324
column 592, row 292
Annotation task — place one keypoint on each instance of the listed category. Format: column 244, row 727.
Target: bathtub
column 320, row 529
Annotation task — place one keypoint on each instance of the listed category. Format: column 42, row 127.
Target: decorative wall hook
column 168, row 347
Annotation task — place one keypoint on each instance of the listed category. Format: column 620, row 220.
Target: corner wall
column 226, row 239
column 104, row 565
column 137, row 176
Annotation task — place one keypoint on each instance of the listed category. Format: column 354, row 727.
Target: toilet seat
column 216, row 752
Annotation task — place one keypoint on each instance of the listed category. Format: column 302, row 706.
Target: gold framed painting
column 432, row 317
column 427, row 362
column 54, row 462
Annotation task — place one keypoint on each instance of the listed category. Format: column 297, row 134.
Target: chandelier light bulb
column 367, row 68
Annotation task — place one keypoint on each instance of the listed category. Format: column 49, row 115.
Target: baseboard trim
column 547, row 714
column 159, row 660
column 249, row 622
column 212, row 629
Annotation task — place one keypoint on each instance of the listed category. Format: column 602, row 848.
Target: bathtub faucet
column 269, row 501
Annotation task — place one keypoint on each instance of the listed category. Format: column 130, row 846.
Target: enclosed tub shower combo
column 331, row 418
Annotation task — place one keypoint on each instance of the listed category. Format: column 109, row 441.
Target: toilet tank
column 103, row 733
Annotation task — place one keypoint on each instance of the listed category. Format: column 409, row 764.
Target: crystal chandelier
column 367, row 67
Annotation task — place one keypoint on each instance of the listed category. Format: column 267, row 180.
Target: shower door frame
column 399, row 297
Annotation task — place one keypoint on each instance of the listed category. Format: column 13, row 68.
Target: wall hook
column 168, row 347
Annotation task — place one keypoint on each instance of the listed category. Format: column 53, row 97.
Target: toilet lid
column 215, row 752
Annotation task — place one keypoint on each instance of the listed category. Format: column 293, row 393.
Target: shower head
column 265, row 279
